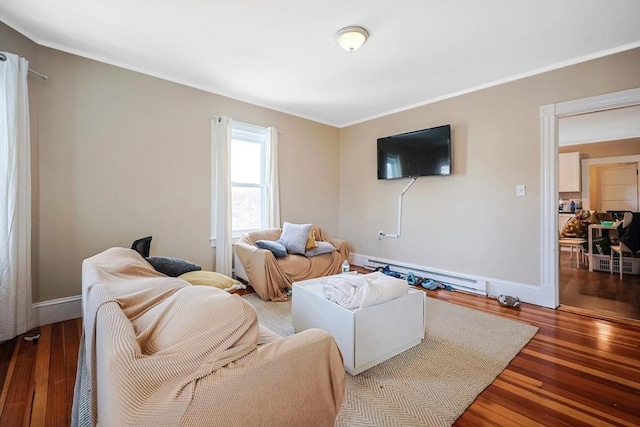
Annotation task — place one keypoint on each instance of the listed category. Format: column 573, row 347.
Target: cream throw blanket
column 361, row 291
column 164, row 334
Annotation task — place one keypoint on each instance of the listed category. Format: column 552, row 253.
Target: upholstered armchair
column 271, row 276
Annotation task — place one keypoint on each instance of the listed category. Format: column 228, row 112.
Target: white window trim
column 249, row 132
column 258, row 135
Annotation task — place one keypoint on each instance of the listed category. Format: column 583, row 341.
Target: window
column 248, row 178
column 244, row 178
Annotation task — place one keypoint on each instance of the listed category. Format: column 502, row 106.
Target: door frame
column 549, row 116
column 585, row 168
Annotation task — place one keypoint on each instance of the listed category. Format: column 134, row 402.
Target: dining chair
column 574, row 242
column 620, row 248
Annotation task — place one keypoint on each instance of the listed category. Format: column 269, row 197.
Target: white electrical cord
column 382, row 234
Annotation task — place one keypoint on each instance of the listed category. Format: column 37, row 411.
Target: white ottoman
column 367, row 336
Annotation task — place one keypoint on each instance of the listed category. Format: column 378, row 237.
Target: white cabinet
column 569, row 172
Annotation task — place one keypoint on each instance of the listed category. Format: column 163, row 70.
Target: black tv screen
column 420, row 153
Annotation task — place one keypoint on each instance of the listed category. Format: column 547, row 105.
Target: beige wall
column 469, row 222
column 121, row 155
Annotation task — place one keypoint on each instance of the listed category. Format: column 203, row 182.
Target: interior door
column 618, row 187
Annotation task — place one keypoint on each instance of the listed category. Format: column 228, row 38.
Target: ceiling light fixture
column 352, row 38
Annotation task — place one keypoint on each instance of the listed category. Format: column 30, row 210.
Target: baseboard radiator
column 463, row 283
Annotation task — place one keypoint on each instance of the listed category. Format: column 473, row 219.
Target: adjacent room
column 420, row 213
column 598, row 181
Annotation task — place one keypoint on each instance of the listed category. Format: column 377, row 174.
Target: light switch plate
column 521, row 190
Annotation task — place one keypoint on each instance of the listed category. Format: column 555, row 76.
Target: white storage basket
column 630, row 265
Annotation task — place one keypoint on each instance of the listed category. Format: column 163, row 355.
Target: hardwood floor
column 576, row 371
column 598, row 292
column 37, row 377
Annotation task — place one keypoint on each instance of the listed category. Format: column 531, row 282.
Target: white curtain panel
column 16, row 315
column 273, row 184
column 221, row 134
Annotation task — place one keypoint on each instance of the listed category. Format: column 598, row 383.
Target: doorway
column 608, row 184
column 589, row 177
column 616, row 187
column 549, row 116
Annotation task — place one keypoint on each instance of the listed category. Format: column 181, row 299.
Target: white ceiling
column 283, row 55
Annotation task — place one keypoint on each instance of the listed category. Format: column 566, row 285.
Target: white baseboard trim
column 465, row 282
column 57, row 310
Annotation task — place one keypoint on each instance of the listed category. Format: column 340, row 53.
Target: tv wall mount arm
column 382, row 234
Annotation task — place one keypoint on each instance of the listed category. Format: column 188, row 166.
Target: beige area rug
column 433, row 383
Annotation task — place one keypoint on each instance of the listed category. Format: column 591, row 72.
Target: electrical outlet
column 521, row 190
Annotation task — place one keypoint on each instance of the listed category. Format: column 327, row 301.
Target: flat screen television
column 423, row 152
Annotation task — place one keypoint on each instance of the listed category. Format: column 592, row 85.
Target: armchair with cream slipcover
column 271, row 277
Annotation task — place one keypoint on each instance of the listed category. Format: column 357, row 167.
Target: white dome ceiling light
column 352, row 38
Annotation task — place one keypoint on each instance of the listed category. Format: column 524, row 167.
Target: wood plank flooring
column 576, row 371
column 37, row 378
column 599, row 292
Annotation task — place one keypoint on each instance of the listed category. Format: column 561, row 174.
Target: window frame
column 258, row 135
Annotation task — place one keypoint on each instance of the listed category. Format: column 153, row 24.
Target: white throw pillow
column 295, row 237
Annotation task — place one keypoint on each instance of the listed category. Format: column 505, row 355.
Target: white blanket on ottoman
column 361, row 291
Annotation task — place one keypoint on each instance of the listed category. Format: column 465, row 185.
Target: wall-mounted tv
column 423, row 152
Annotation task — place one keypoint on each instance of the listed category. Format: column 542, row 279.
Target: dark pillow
column 172, row 267
column 323, row 248
column 276, row 247
column 142, row 246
